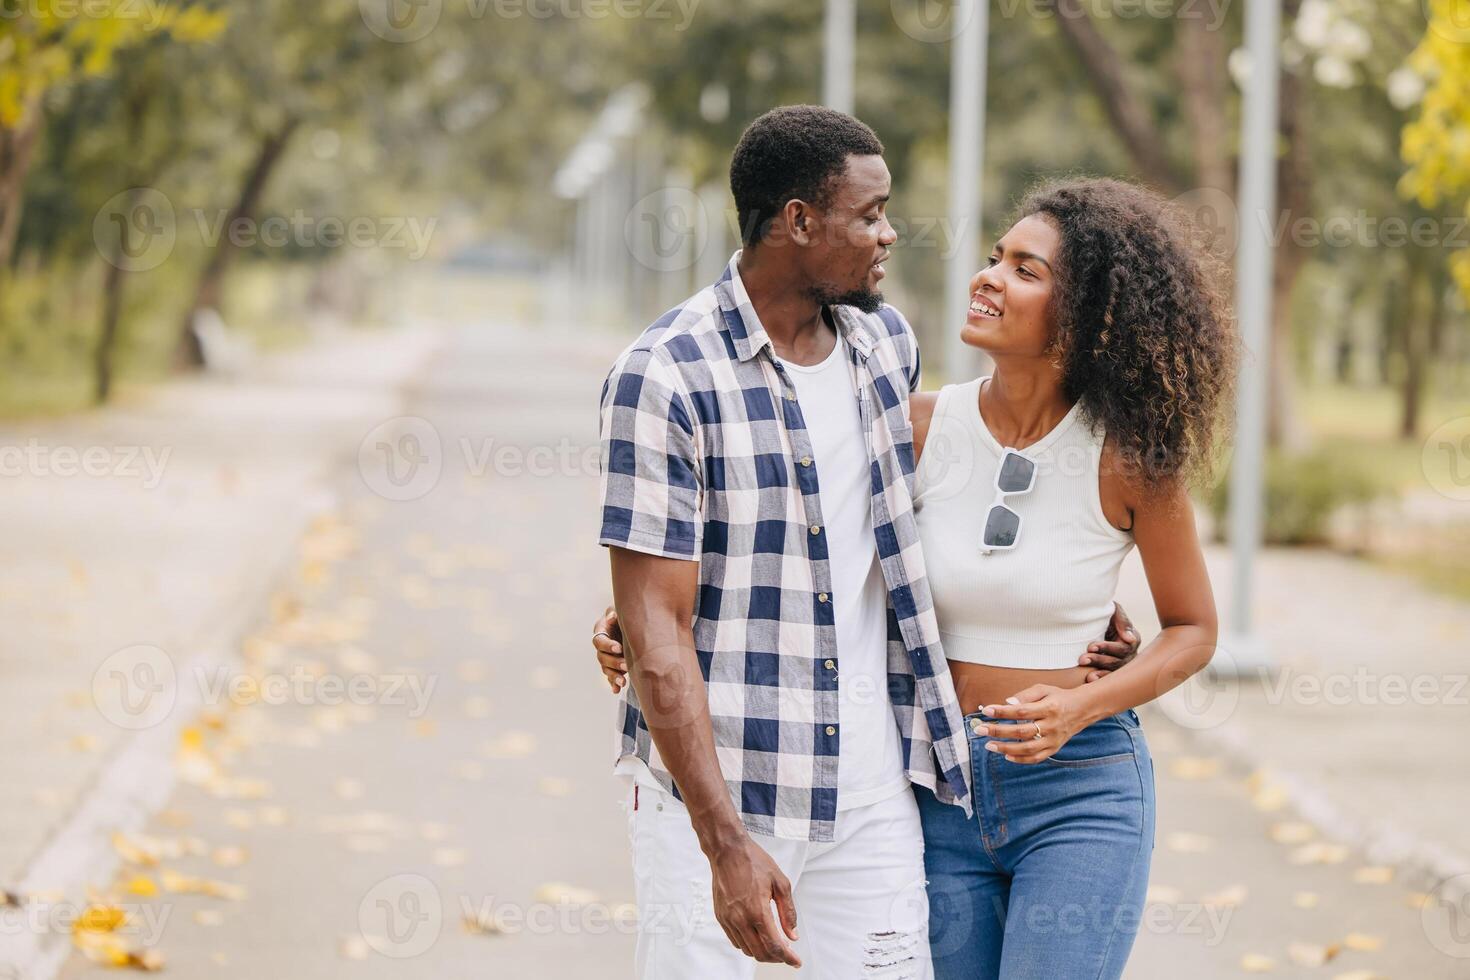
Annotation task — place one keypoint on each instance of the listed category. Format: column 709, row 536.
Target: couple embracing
column 880, row 720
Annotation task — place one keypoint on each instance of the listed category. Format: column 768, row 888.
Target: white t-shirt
column 870, row 756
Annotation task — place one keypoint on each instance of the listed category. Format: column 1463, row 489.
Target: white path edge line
column 139, row 779
column 1435, row 865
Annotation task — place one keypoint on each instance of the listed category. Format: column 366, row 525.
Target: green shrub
column 1303, row 492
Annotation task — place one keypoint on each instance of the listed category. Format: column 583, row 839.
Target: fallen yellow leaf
column 1373, row 875
column 1363, row 942
column 1311, row 954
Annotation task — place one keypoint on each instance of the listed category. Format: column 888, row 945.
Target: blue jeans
column 1047, row 880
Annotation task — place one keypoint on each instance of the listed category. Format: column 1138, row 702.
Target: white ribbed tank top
column 1040, row 603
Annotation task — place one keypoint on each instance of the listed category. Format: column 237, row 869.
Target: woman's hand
column 1057, row 713
column 607, row 640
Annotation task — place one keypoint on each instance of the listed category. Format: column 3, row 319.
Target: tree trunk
column 112, row 297
column 1283, row 428
column 104, row 358
column 1131, row 118
column 1418, row 334
column 1204, row 89
column 1293, row 200
column 189, row 353
column 17, row 150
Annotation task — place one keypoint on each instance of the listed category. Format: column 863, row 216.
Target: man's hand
column 1118, row 646
column 746, row 881
column 607, row 641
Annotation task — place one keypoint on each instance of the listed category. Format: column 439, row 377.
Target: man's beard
column 865, row 300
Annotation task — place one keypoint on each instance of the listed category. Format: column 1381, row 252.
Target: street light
column 838, row 59
column 966, row 164
column 1245, row 648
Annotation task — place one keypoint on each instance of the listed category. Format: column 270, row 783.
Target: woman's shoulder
column 922, row 405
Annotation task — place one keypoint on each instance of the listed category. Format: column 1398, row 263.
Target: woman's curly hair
column 1144, row 334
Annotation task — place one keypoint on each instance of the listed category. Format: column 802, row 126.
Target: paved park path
column 403, row 771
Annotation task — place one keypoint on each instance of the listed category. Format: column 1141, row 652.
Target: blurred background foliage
column 245, row 110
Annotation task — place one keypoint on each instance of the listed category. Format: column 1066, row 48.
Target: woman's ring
column 1038, row 731
column 601, row 633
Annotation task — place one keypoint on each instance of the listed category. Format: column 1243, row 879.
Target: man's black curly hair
column 1144, row 334
column 792, row 152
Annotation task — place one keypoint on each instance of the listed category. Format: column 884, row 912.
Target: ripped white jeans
column 860, row 903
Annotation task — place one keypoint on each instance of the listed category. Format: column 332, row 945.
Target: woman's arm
column 1168, row 543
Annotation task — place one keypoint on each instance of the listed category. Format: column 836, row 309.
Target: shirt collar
column 749, row 335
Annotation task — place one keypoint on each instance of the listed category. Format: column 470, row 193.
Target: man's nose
column 887, row 236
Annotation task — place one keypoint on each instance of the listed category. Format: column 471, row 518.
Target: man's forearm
column 655, row 601
column 675, row 706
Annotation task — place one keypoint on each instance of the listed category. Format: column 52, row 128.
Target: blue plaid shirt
column 706, row 457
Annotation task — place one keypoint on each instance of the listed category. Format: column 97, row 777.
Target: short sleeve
column 652, row 480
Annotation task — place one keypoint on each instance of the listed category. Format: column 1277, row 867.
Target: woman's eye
column 991, row 261
column 1026, row 272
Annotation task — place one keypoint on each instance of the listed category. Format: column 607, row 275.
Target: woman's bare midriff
column 979, row 684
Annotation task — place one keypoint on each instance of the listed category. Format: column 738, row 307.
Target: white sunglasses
column 1015, row 475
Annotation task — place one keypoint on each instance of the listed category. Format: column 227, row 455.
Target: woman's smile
column 983, row 309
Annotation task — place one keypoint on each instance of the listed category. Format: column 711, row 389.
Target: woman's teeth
column 983, row 308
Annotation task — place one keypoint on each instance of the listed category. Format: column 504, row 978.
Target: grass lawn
column 1363, row 423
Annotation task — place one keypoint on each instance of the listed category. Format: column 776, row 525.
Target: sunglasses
column 1016, row 474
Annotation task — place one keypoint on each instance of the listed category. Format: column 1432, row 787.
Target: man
column 787, row 679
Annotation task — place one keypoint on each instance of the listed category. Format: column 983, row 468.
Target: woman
column 1113, row 355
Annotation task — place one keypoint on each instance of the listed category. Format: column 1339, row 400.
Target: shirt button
column 831, row 730
column 806, row 461
column 831, row 665
column 791, row 396
column 821, row 597
column 816, row 529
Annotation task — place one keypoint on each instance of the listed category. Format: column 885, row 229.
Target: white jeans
column 860, row 903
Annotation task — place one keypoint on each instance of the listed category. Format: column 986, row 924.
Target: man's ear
column 800, row 220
